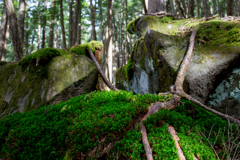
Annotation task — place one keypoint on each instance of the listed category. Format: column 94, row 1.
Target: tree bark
column 39, row 24
column 144, row 6
column 44, row 27
column 230, row 7
column 184, row 7
column 26, row 33
column 3, row 30
column 206, row 12
column 191, row 8
column 75, row 25
column 179, row 9
column 5, row 43
column 12, row 19
column 155, row 6
column 101, row 19
column 94, row 36
column 70, row 24
column 33, row 36
column 50, row 43
column 172, row 7
column 20, row 20
column 62, row 25
column 198, row 8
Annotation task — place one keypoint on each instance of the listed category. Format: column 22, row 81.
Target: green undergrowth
column 77, row 124
column 75, row 127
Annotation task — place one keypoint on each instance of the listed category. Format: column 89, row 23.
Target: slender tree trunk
column 26, row 33
column 3, row 30
column 50, row 43
column 191, row 8
column 79, row 33
column 94, row 36
column 198, row 8
column 101, row 19
column 168, row 6
column 33, row 36
column 184, row 7
column 56, row 35
column 206, row 12
column 144, row 6
column 20, row 20
column 126, row 33
column 75, row 25
column 12, row 19
column 214, row 7
column 230, row 7
column 39, row 24
column 5, row 43
column 179, row 9
column 62, row 25
column 44, row 27
column 155, row 6
column 172, row 7
column 70, row 24
column 109, row 42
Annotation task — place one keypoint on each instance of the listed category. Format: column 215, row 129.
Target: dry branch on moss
column 172, row 131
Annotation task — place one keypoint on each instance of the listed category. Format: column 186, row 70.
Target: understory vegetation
column 79, row 124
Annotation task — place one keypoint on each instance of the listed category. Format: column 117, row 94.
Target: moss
column 40, row 56
column 3, row 62
column 131, row 27
column 82, row 49
column 166, row 19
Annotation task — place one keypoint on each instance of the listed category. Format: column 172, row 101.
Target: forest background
column 66, row 23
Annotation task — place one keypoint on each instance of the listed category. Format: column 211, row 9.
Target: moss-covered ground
column 77, row 126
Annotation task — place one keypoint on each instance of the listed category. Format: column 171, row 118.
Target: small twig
column 146, row 145
column 88, row 94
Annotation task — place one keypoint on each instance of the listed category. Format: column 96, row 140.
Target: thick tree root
column 172, row 131
column 100, row 71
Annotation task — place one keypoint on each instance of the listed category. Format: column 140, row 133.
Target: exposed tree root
column 208, row 18
column 100, row 71
column 161, row 14
column 172, row 131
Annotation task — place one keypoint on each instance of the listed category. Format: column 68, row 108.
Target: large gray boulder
column 156, row 59
column 60, row 79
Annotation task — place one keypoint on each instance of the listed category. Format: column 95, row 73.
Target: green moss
column 40, row 56
column 166, row 19
column 82, row 49
column 131, row 27
column 3, row 62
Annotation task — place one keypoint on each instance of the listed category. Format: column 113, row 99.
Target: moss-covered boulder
column 46, row 76
column 160, row 49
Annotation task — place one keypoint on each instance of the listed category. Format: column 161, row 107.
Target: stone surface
column 157, row 58
column 60, row 79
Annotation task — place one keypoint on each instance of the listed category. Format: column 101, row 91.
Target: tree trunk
column 50, row 43
column 39, row 24
column 168, row 6
column 62, row 25
column 12, row 19
column 155, row 6
column 94, row 36
column 101, row 19
column 44, row 27
column 198, row 8
column 179, row 9
column 172, row 7
column 230, row 7
column 20, row 20
column 56, row 36
column 26, row 34
column 109, row 42
column 214, row 7
column 75, row 25
column 70, row 24
column 3, row 30
column 206, row 12
column 184, row 7
column 33, row 36
column 126, row 33
column 191, row 8
column 144, row 6
column 5, row 43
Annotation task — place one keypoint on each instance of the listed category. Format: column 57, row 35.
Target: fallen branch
column 172, row 131
column 100, row 71
column 146, row 145
column 208, row 18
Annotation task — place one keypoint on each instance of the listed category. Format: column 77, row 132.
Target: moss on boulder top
column 212, row 32
column 83, row 48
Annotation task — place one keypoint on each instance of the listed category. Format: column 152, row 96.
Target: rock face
column 60, row 79
column 157, row 56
